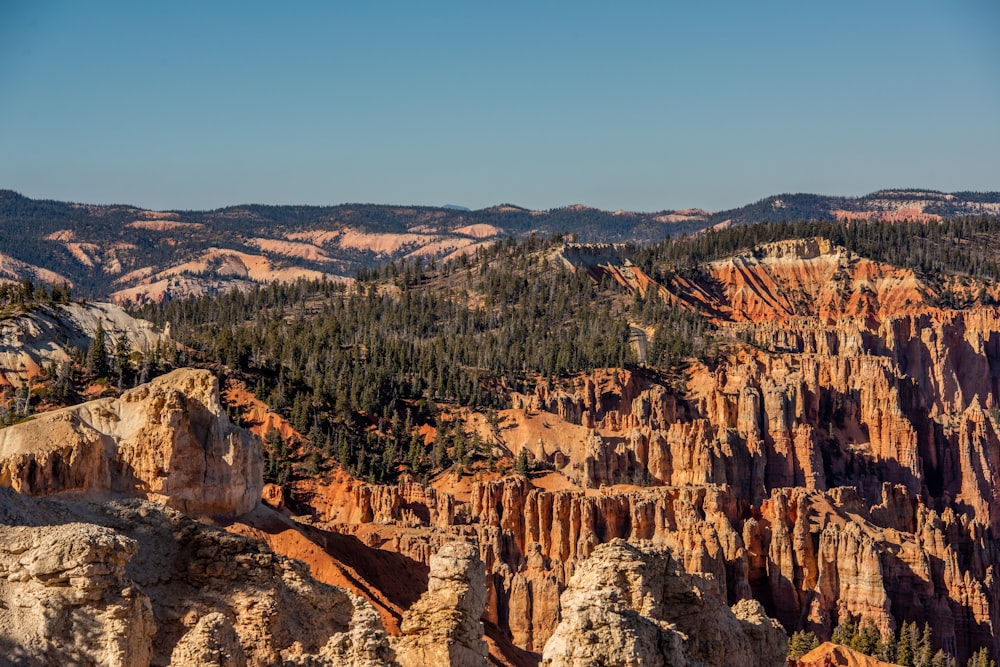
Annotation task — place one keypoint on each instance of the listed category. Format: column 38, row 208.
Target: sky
column 627, row 105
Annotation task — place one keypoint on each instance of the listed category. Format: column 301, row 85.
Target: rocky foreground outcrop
column 131, row 583
column 169, row 441
column 626, row 607
column 443, row 626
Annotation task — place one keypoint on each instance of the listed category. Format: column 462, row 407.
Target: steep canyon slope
column 838, row 462
column 130, row 581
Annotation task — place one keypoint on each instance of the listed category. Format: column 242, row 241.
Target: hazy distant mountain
column 902, row 204
column 129, row 253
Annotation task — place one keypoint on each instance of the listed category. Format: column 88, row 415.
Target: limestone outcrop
column 132, row 583
column 65, row 597
column 628, row 606
column 212, row 642
column 169, row 441
column 443, row 626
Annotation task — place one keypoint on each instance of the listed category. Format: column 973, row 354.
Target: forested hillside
column 357, row 367
column 385, row 351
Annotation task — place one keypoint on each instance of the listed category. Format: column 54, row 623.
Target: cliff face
column 168, row 440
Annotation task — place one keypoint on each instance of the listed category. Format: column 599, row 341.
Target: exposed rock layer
column 627, row 606
column 133, row 583
column 169, row 440
column 845, row 467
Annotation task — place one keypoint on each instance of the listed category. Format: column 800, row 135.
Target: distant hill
column 902, row 204
column 133, row 254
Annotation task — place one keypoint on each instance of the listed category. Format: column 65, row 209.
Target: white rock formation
column 629, row 606
column 443, row 627
column 168, row 441
column 131, row 583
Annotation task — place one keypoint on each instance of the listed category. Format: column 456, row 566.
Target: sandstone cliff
column 169, row 440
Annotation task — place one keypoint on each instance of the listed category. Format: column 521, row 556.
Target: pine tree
column 122, row 359
column 845, row 632
column 905, row 652
column 981, row 658
column 97, row 354
column 523, row 465
column 343, row 450
column 866, row 639
column 941, row 659
column 886, row 649
column 441, row 448
column 801, row 643
column 925, row 651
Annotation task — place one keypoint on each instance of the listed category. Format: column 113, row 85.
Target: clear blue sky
column 623, row 105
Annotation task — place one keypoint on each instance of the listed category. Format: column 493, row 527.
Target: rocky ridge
column 133, row 583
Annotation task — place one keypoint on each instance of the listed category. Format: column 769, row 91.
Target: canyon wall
column 830, row 471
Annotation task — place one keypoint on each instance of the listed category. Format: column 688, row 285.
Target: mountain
column 889, row 205
column 129, row 254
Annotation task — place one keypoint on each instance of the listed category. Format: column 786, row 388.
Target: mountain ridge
column 131, row 254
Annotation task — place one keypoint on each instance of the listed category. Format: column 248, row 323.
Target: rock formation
column 443, row 626
column 169, row 440
column 212, row 642
column 65, row 596
column 132, row 583
column 835, row 655
column 47, row 333
column 843, row 466
column 628, row 606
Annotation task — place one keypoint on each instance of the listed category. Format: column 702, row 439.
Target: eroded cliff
column 838, row 463
column 169, row 440
column 133, row 583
